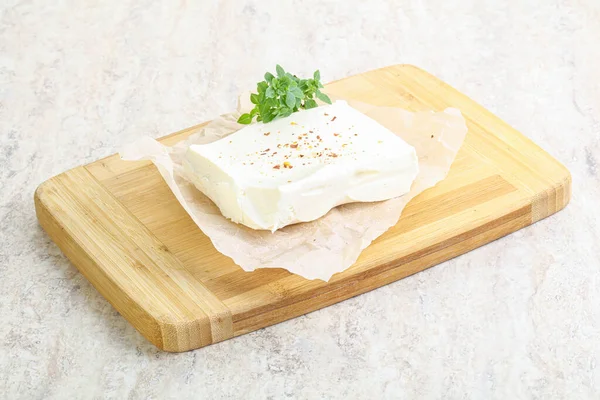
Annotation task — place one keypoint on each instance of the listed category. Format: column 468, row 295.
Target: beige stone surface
column 518, row 318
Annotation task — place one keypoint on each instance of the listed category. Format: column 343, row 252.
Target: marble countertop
column 518, row 318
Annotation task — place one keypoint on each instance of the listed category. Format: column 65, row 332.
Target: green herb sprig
column 280, row 96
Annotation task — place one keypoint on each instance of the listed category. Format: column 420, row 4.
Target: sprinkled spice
column 327, row 115
column 276, row 166
column 336, row 134
column 279, row 146
column 301, row 156
column 333, row 155
column 432, row 136
column 333, row 119
column 294, row 145
column 267, row 133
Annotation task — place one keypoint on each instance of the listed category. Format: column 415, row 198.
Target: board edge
column 167, row 332
column 555, row 198
column 76, row 255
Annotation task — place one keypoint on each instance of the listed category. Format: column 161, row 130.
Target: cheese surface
column 296, row 169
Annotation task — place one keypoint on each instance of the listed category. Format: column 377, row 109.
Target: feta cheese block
column 296, row 169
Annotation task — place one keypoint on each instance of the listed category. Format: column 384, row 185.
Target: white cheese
column 296, row 169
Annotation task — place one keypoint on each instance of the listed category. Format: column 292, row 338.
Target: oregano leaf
column 268, row 117
column 284, row 112
column 262, row 86
column 323, row 97
column 280, row 71
column 244, row 119
column 310, row 103
column 297, row 92
column 290, row 99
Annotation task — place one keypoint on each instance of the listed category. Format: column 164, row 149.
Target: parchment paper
column 331, row 244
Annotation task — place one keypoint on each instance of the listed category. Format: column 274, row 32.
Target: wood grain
column 121, row 226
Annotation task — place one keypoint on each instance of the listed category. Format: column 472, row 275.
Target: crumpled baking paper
column 331, row 244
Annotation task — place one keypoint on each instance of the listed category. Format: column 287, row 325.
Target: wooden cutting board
column 121, row 226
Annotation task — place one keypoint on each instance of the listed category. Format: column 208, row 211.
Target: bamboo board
column 121, row 226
